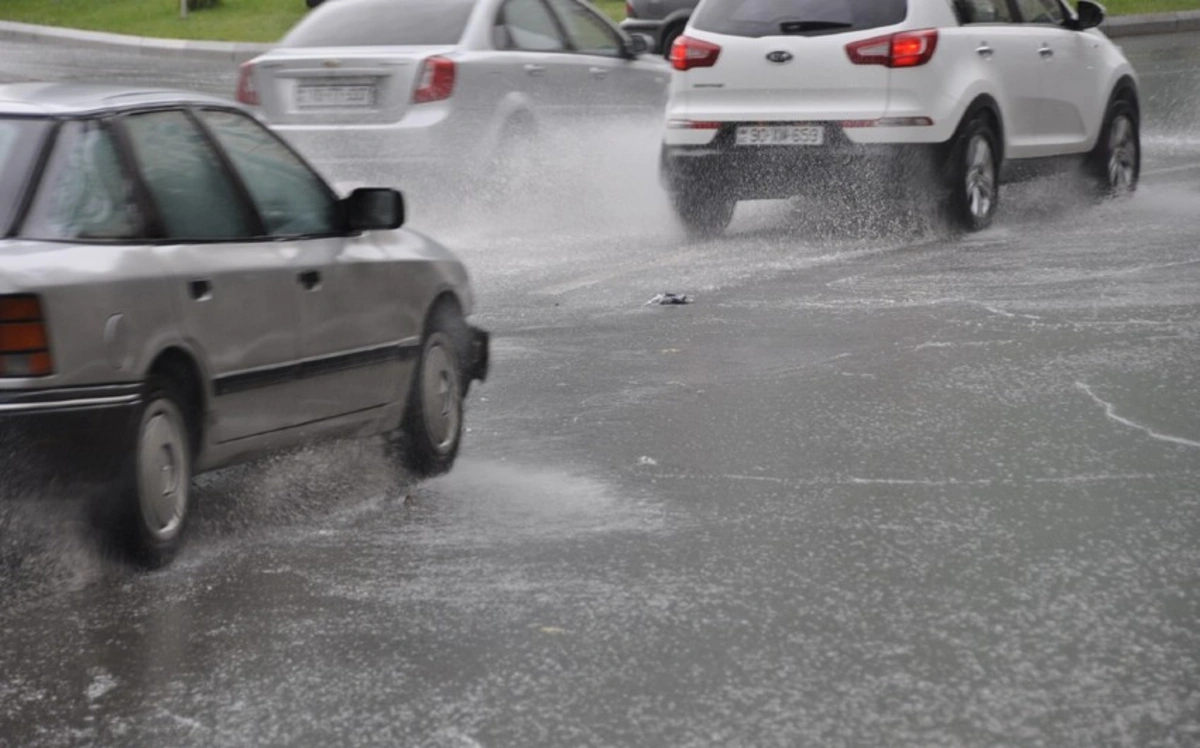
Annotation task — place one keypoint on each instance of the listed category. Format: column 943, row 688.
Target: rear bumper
column 766, row 172
column 67, row 433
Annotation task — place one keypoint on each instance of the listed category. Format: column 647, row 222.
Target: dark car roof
column 64, row 99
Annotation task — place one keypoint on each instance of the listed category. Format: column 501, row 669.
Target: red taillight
column 246, row 92
column 24, row 343
column 688, row 53
column 629, row 11
column 436, row 81
column 904, row 50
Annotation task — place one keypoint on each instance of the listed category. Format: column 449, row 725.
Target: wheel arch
column 177, row 365
column 986, row 105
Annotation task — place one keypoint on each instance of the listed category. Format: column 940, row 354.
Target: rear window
column 19, row 139
column 381, row 23
column 796, row 17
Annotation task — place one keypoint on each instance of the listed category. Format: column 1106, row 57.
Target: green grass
column 267, row 20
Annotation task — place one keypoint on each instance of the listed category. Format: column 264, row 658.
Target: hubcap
column 1122, row 154
column 163, row 470
column 441, row 396
column 981, row 177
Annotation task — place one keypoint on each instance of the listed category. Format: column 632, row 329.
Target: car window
column 587, row 32
column 292, row 200
column 85, row 191
column 757, row 18
column 19, row 141
column 983, row 11
column 1040, row 11
column 528, row 25
column 380, row 23
column 196, row 198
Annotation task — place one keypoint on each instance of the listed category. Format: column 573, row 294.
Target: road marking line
column 1172, row 169
column 1110, row 410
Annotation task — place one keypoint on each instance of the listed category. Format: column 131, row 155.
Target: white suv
column 773, row 98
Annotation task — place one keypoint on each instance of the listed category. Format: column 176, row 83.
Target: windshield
column 19, row 141
column 797, row 17
column 381, row 23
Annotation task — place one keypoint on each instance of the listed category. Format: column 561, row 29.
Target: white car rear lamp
column 906, row 49
column 889, row 122
column 688, row 53
column 24, row 342
column 436, row 81
column 687, row 124
column 246, row 92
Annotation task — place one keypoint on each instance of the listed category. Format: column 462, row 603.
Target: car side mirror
column 637, row 45
column 1090, row 14
column 374, row 209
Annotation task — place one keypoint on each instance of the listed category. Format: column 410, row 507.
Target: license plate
column 780, row 135
column 316, row 97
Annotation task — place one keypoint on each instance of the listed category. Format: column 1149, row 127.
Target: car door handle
column 599, row 73
column 1046, row 52
column 200, row 290
column 983, row 50
column 310, row 279
column 535, row 69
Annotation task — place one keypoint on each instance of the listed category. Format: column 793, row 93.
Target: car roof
column 65, row 99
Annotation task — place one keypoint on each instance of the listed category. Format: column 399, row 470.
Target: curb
column 1118, row 26
column 1152, row 23
column 232, row 51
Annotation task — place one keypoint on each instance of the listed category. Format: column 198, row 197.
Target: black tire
column 150, row 507
column 1116, row 161
column 703, row 213
column 973, row 174
column 428, row 439
column 668, row 38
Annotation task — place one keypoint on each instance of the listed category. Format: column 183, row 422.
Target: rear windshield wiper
column 804, row 27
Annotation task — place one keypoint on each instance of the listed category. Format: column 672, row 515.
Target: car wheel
column 431, row 431
column 668, row 39
column 1117, row 159
column 703, row 214
column 154, row 494
column 974, row 175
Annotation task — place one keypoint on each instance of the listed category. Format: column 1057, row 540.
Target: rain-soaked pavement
column 877, row 486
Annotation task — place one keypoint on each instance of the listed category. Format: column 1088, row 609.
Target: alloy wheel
column 1122, row 154
column 980, row 183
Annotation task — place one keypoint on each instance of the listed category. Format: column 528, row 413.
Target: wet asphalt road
column 877, row 486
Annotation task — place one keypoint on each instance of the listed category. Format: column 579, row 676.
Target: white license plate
column 314, row 97
column 780, row 135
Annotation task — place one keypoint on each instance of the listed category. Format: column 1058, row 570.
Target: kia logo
column 780, row 56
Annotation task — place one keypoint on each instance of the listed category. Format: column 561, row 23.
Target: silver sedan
column 180, row 291
column 449, row 84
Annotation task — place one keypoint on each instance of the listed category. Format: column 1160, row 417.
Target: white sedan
column 453, row 84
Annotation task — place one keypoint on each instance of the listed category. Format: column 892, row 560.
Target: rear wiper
column 803, row 27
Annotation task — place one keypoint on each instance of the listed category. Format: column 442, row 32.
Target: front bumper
column 478, row 355
column 767, row 172
column 64, row 434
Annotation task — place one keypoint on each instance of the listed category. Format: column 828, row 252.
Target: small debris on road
column 669, row 299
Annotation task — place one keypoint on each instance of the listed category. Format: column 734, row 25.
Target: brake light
column 629, row 11
column 436, row 81
column 24, row 343
column 688, row 53
column 246, row 92
column 906, row 49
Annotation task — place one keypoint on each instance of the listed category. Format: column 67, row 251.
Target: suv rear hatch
column 786, row 60
column 354, row 61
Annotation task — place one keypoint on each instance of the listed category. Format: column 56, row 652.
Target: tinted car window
column 1040, row 11
column 528, row 25
column 804, row 17
column 19, row 139
column 983, row 11
column 85, row 192
column 195, row 196
column 380, row 23
column 292, row 200
column 588, row 33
